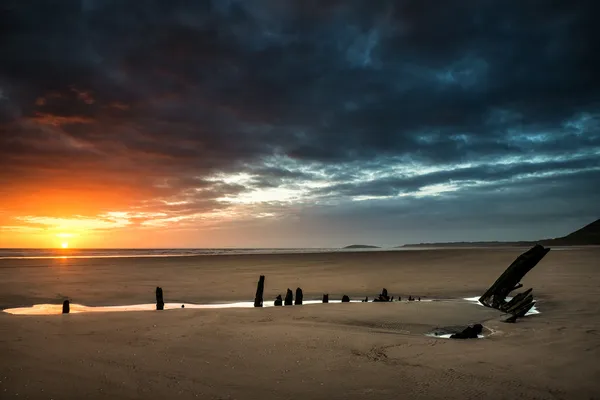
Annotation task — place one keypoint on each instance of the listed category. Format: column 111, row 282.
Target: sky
column 279, row 123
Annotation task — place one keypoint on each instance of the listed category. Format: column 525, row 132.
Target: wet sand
column 333, row 351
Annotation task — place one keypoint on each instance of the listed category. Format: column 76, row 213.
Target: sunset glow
column 271, row 125
column 64, row 245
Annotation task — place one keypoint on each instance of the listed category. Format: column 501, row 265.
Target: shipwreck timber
column 495, row 296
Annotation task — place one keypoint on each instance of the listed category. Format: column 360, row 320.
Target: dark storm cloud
column 139, row 93
column 391, row 186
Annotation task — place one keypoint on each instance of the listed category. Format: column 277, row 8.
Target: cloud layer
column 308, row 123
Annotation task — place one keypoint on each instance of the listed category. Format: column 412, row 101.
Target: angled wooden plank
column 495, row 296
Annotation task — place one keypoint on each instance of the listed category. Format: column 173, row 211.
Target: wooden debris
column 383, row 296
column 495, row 296
column 260, row 287
column 299, row 297
column 160, row 304
column 325, row 298
column 66, row 307
column 289, row 298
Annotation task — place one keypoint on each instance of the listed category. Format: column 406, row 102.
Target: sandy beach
column 332, row 351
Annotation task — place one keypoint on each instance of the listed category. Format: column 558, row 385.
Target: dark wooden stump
column 345, row 299
column 366, row 300
column 160, row 304
column 66, row 307
column 325, row 298
column 469, row 332
column 299, row 297
column 278, row 300
column 260, row 287
column 289, row 298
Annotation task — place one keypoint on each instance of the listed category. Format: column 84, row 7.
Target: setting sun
column 65, row 245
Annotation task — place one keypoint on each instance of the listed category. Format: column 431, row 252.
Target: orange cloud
column 56, row 120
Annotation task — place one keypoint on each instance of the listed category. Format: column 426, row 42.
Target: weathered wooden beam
column 520, row 313
column 160, row 304
column 260, row 287
column 66, row 307
column 299, row 297
column 518, row 297
column 326, row 298
column 289, row 298
column 495, row 296
column 526, row 300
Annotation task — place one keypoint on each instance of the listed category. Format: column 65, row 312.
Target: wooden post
column 299, row 297
column 160, row 304
column 325, row 298
column 66, row 307
column 278, row 300
column 345, row 299
column 289, row 298
column 260, row 287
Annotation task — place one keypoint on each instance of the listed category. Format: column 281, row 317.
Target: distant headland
column 586, row 236
column 361, row 246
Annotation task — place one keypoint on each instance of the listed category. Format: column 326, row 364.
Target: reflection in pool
column 50, row 309
column 447, row 335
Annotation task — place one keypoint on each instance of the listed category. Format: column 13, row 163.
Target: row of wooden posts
column 289, row 297
column 258, row 299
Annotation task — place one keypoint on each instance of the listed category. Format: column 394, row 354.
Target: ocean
column 124, row 253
